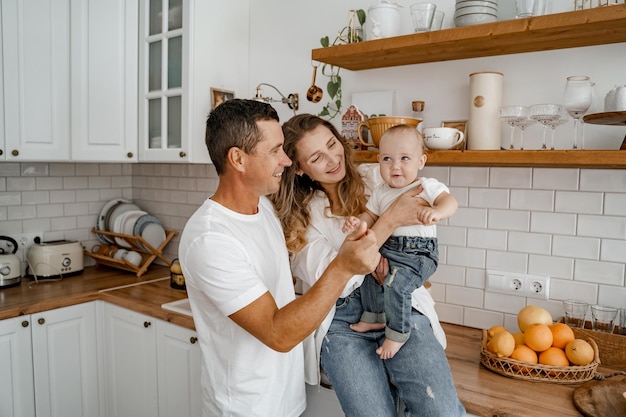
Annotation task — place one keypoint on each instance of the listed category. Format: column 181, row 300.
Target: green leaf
column 325, row 41
column 361, row 15
column 333, row 88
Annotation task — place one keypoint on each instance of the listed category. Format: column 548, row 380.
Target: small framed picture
column 457, row 124
column 218, row 96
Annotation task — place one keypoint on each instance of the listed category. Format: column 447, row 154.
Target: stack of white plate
column 475, row 12
column 123, row 217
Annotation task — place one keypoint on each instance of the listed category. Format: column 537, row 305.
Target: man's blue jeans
column 367, row 386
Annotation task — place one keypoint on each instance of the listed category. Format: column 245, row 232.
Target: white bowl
column 475, row 9
column 474, row 19
column 466, row 3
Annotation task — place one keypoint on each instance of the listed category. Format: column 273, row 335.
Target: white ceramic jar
column 484, row 127
column 383, row 21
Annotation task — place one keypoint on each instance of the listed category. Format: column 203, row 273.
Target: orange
column 562, row 334
column 579, row 352
column 538, row 337
column 533, row 314
column 519, row 338
column 553, row 356
column 524, row 354
column 502, row 344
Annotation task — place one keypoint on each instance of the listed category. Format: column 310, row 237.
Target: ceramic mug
column 442, row 137
column 133, row 257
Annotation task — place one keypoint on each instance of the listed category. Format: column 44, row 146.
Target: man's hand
column 359, row 254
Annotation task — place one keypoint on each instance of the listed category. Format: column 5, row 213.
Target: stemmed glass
column 562, row 119
column 522, row 126
column 545, row 114
column 577, row 101
column 514, row 116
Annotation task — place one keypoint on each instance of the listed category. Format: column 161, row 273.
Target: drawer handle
column 193, row 340
column 25, row 323
column 146, row 324
column 41, row 320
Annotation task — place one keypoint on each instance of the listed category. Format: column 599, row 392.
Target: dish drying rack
column 138, row 244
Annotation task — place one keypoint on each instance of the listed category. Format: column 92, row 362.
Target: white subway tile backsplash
column 449, row 313
column 87, row 170
column 62, row 170
column 552, row 266
column 508, row 219
column 11, row 198
column 75, row 209
column 612, row 296
column 506, row 261
column 475, row 278
column 3, row 214
column 613, row 250
column 448, row 274
column 9, row 169
column 75, row 183
column 470, row 217
column 446, row 235
column 88, row 196
column 100, row 182
column 122, row 181
column 615, row 204
column 35, row 197
column 504, row 302
column 21, row 212
column 487, row 239
column 468, row 257
column 469, row 177
column 599, row 272
column 602, row 226
column 510, row 177
column 555, row 179
column 613, row 180
column 529, row 243
column 578, row 202
column 440, row 173
column 564, row 289
column 111, row 170
column 557, row 223
column 438, row 292
column 34, row 170
column 62, row 223
column 576, row 247
column 469, row 297
column 51, row 210
column 489, row 198
column 20, row 184
column 68, row 196
column 532, row 200
column 461, row 194
column 49, row 183
column 482, row 319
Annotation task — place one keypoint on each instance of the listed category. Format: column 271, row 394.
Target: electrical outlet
column 24, row 241
column 536, row 286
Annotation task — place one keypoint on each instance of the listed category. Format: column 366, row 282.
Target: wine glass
column 553, row 124
column 577, row 101
column 544, row 114
column 514, row 116
column 522, row 126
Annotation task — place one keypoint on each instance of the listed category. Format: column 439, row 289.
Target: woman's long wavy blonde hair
column 296, row 191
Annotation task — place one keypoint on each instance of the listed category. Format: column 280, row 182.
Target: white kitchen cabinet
column 17, row 393
column 152, row 366
column 178, row 368
column 36, row 78
column 186, row 48
column 104, row 49
column 51, row 364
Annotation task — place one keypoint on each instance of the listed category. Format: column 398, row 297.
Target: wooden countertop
column 483, row 392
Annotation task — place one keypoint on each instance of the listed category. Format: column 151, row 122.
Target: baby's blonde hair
column 405, row 129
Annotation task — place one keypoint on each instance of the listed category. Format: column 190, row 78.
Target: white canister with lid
column 383, row 21
column 615, row 99
column 483, row 127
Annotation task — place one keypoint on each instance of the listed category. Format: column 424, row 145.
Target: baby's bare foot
column 363, row 327
column 389, row 348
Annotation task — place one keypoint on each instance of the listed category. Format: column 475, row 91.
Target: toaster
column 56, row 259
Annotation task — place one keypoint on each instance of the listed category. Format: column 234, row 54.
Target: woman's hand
column 381, row 271
column 406, row 210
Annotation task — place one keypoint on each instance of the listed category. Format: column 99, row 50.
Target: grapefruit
column 553, row 356
column 533, row 314
column 523, row 353
column 562, row 334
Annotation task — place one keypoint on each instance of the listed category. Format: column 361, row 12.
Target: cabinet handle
column 182, row 154
column 15, row 152
column 41, row 320
column 1, row 152
column 25, row 323
column 129, row 155
column 146, row 324
column 193, row 340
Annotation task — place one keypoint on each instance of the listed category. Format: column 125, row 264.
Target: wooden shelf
column 515, row 158
column 596, row 26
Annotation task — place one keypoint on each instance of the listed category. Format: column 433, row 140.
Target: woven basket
column 537, row 372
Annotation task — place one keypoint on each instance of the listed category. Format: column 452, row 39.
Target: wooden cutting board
column 601, row 398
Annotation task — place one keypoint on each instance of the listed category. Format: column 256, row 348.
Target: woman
column 317, row 193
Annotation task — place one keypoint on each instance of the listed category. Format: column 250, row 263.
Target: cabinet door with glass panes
column 187, row 47
column 161, row 81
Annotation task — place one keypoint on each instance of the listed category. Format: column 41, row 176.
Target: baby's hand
column 428, row 215
column 351, row 224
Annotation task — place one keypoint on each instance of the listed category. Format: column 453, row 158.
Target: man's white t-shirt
column 229, row 260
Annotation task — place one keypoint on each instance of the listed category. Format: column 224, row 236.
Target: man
column 236, row 268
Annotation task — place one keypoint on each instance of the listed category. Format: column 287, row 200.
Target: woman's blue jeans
column 367, row 386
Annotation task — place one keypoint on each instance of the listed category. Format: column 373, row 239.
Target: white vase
column 483, row 127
